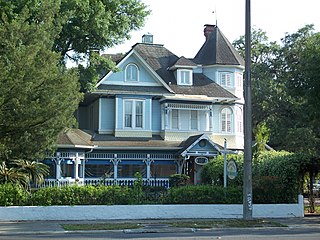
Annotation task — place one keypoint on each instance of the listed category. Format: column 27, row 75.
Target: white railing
column 159, row 182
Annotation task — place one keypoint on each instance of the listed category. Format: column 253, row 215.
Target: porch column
column 210, row 118
column 181, row 162
column 115, row 161
column 148, row 162
column 76, row 166
column 166, row 116
column 58, row 168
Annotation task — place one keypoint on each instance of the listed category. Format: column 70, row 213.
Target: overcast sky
column 178, row 24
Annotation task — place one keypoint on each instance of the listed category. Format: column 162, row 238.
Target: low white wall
column 91, row 212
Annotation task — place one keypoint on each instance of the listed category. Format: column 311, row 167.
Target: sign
column 232, row 170
column 201, row 160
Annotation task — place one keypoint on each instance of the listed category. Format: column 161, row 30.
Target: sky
column 178, row 24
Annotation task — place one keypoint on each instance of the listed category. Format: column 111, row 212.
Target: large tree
column 38, row 93
column 86, row 27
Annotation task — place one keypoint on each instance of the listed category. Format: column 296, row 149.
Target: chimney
column 208, row 29
column 147, row 38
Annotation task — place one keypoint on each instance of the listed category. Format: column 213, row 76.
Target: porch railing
column 159, row 182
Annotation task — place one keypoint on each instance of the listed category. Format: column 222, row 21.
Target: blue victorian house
column 159, row 114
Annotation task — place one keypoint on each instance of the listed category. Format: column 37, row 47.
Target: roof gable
column 149, row 78
column 218, row 50
column 199, row 145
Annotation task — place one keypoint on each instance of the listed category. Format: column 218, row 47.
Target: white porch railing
column 159, row 182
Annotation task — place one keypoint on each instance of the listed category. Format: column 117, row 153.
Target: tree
column 86, row 26
column 12, row 175
column 35, row 171
column 37, row 95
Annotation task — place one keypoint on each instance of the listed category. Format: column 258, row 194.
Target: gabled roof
column 193, row 140
column 161, row 59
column 217, row 50
column 183, row 62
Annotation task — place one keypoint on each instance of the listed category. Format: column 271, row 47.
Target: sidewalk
column 42, row 227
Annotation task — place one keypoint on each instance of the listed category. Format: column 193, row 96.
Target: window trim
column 180, row 73
column 133, row 113
column 128, row 67
column 228, row 81
column 224, row 128
column 197, row 120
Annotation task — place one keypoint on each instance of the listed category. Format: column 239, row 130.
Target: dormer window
column 132, row 73
column 184, row 77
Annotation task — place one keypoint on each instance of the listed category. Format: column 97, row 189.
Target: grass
column 240, row 223
column 316, row 209
column 100, row 226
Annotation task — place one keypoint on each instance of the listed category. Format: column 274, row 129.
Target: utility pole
column 247, row 175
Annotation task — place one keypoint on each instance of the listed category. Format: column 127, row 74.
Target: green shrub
column 12, row 195
column 204, row 194
column 178, row 180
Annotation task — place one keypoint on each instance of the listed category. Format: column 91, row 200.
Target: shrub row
column 11, row 195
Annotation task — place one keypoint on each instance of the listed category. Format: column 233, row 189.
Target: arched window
column 226, row 118
column 132, row 72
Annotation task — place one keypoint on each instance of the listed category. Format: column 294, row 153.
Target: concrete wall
column 148, row 212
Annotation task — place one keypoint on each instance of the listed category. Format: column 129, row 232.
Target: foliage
column 200, row 194
column 35, row 170
column 212, row 173
column 12, row 195
column 12, row 175
column 37, row 95
column 178, row 180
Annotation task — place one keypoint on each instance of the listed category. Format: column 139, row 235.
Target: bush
column 12, row 195
column 204, row 194
column 178, row 180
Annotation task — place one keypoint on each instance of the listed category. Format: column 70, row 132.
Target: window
column 239, row 79
column 226, row 115
column 175, row 118
column 132, row 72
column 184, row 77
column 239, row 117
column 194, row 120
column 225, row 79
column 128, row 170
column 133, row 114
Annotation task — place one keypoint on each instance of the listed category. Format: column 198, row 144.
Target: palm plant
column 12, row 175
column 35, row 171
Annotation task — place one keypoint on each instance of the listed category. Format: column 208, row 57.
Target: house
column 159, row 114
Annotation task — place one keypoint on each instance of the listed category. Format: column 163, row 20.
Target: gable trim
column 134, row 53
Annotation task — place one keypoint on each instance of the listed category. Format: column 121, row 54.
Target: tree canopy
column 38, row 93
column 286, row 88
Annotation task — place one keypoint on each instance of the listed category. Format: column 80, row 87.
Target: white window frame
column 239, row 117
column 225, row 79
column 196, row 120
column 239, row 80
column 133, row 113
column 129, row 75
column 181, row 77
column 177, row 119
column 226, row 116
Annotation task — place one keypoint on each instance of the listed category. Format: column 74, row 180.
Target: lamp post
column 247, row 174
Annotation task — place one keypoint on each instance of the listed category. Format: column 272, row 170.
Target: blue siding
column 145, row 77
column 107, row 115
column 156, row 116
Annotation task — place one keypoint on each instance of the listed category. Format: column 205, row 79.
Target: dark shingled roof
column 114, row 89
column 161, row 59
column 114, row 57
column 218, row 50
column 182, row 61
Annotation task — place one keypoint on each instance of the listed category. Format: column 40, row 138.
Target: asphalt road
column 299, row 228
